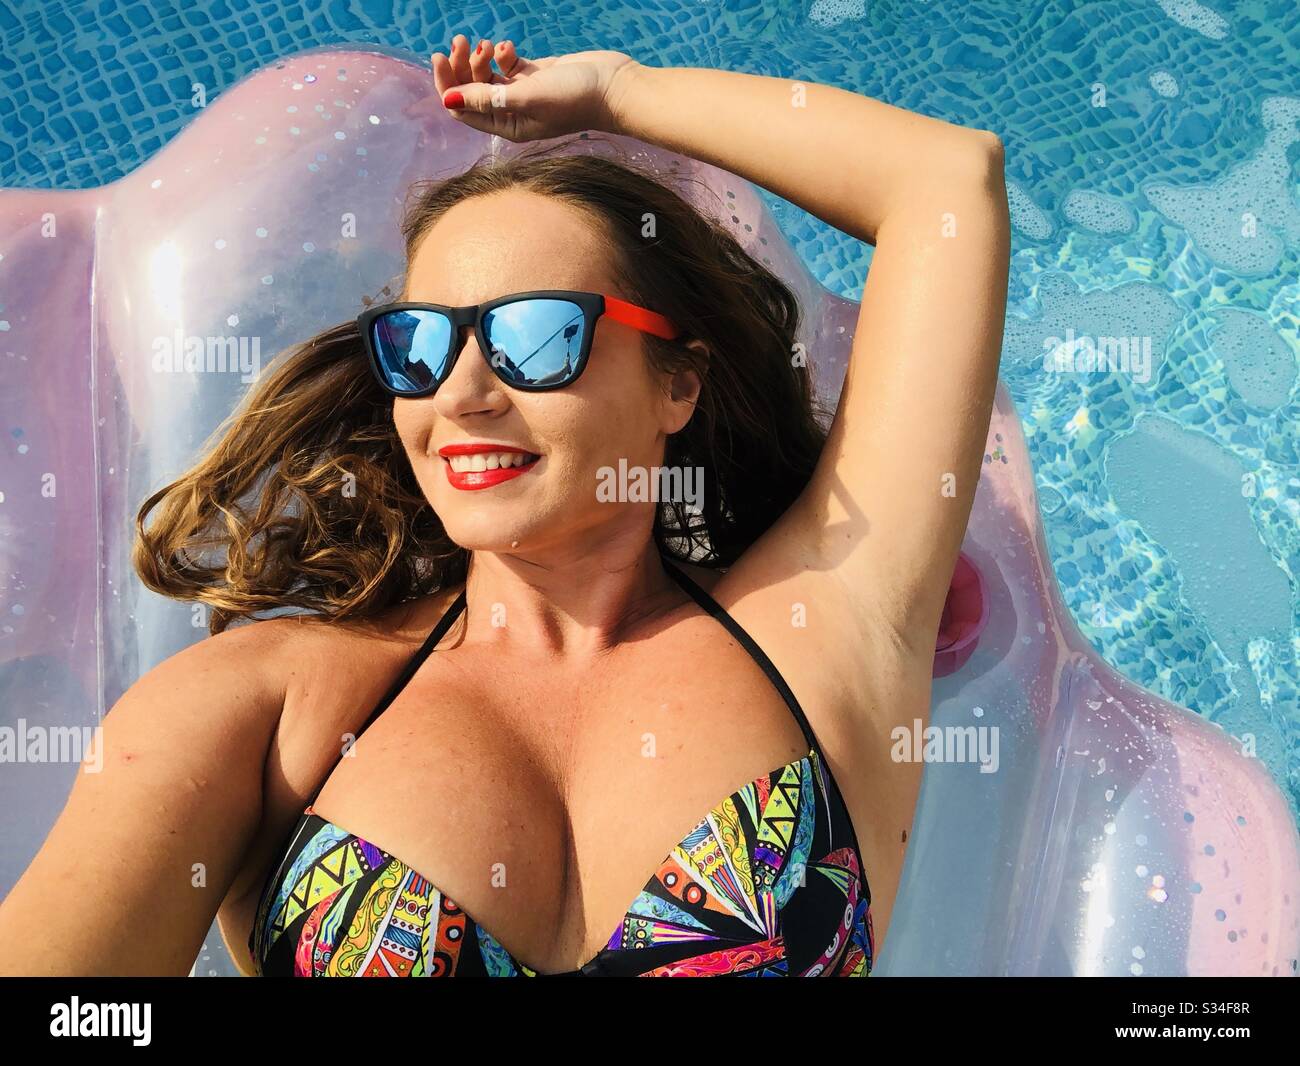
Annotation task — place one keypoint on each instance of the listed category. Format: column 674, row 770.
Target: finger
column 443, row 76
column 477, row 98
column 480, row 62
column 460, row 59
column 510, row 61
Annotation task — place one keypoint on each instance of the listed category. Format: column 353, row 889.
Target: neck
column 576, row 603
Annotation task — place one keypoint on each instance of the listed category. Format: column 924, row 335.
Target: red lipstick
column 483, row 479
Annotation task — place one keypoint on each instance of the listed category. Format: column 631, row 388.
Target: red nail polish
column 454, row 99
column 478, row 48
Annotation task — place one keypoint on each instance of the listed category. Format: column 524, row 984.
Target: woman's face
column 620, row 408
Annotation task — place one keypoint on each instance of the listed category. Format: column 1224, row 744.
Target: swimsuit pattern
column 753, row 890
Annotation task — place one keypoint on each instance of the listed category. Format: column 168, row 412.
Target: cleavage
column 509, row 825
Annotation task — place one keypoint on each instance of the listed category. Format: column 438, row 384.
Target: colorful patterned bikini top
column 769, row 883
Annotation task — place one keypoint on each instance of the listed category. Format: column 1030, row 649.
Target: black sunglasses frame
column 592, row 305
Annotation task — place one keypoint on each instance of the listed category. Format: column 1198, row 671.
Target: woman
column 436, row 477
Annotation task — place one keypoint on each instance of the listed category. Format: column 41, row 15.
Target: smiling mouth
column 482, row 461
column 487, row 468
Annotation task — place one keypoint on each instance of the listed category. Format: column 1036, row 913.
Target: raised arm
column 880, row 526
column 874, row 538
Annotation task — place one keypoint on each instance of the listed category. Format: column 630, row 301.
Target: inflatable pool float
column 1119, row 835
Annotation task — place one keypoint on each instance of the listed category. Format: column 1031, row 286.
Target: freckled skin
column 619, row 408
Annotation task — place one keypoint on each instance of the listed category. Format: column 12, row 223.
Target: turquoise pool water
column 1151, row 151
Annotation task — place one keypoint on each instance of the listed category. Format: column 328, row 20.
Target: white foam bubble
column 1098, row 212
column 1026, row 215
column 833, row 12
column 1164, row 83
column 1196, row 16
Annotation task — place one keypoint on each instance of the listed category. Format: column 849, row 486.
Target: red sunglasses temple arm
column 639, row 318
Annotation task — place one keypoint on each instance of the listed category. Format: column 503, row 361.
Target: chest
column 543, row 799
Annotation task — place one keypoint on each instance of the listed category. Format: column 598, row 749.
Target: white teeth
column 463, row 464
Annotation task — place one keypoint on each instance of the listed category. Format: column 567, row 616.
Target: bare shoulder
column 833, row 644
column 315, row 653
column 173, row 781
column 326, row 674
column 330, row 674
column 294, row 652
column 235, row 674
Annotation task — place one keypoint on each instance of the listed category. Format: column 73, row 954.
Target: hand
column 530, row 99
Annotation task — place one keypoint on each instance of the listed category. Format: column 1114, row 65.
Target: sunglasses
column 533, row 341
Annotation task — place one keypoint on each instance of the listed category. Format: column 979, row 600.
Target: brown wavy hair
column 305, row 493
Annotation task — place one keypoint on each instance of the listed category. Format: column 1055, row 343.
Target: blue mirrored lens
column 412, row 347
column 535, row 341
